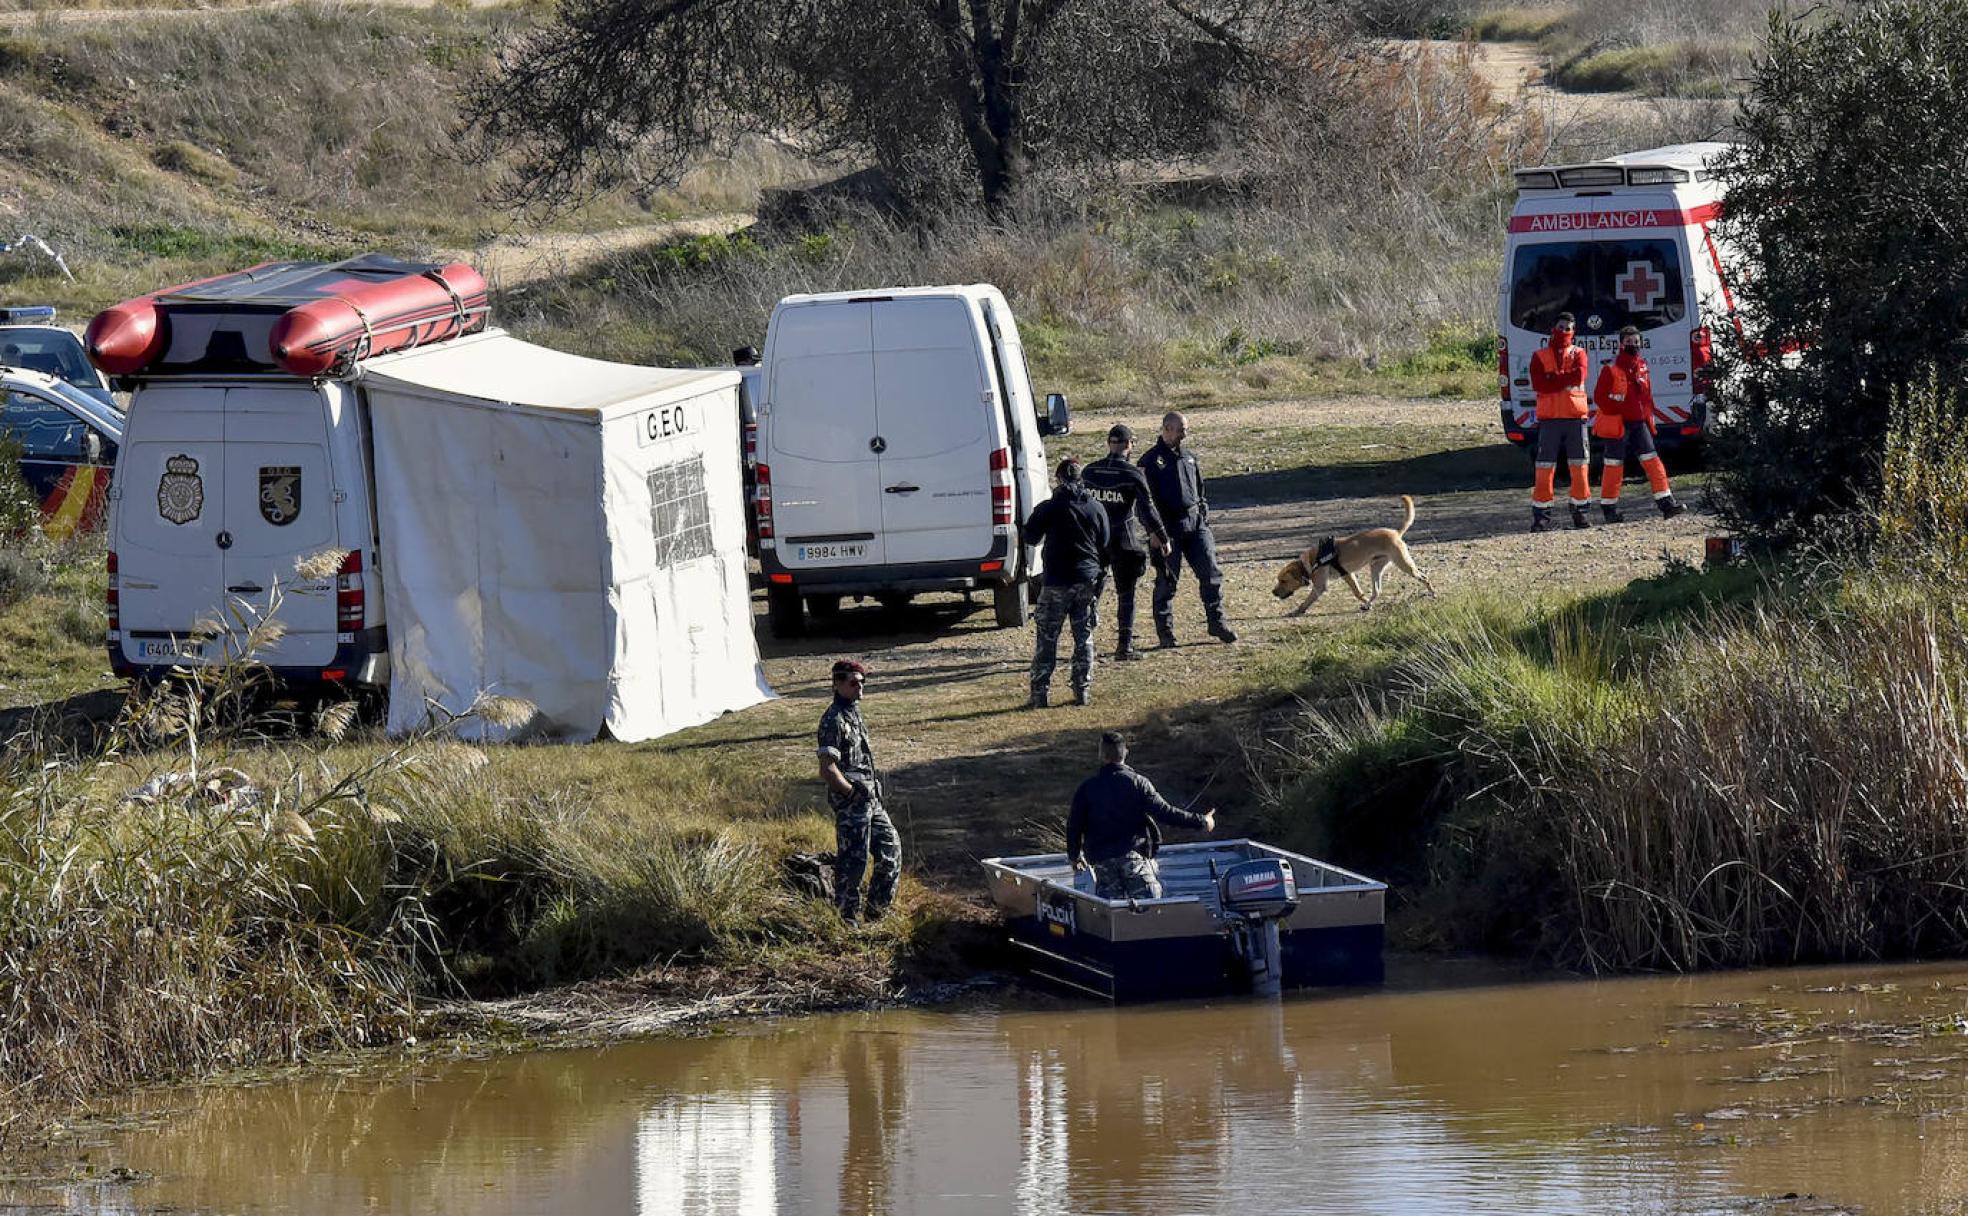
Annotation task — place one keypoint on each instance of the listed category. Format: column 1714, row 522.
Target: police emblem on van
column 180, row 491
column 280, row 494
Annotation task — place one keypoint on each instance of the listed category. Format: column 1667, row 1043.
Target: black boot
column 1540, row 519
column 1578, row 518
column 1082, row 696
column 1611, row 512
column 1040, row 699
column 1164, row 637
column 1220, row 630
column 1668, row 507
column 1125, row 652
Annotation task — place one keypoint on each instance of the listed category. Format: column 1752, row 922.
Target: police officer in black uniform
column 1176, row 481
column 1116, row 484
column 1111, row 828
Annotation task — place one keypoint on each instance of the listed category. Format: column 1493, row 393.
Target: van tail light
column 351, row 599
column 113, row 601
column 1701, row 353
column 1001, row 487
column 762, row 496
column 1503, row 367
column 751, row 443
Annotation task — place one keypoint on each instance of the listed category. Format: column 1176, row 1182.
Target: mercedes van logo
column 878, row 445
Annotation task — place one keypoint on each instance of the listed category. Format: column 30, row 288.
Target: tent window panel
column 680, row 512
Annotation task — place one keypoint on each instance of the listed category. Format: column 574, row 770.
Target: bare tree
column 952, row 98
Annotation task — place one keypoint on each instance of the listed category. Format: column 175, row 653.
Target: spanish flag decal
column 75, row 504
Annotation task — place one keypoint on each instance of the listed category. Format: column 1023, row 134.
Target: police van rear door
column 279, row 508
column 935, row 404
column 823, row 441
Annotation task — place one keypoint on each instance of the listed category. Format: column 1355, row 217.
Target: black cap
column 1119, row 431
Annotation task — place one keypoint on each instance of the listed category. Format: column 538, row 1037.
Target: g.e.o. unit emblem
column 280, row 494
column 180, row 491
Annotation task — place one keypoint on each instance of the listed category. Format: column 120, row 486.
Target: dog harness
column 1329, row 555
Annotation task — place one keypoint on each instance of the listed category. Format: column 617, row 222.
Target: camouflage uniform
column 1079, row 602
column 1129, row 876
column 861, row 825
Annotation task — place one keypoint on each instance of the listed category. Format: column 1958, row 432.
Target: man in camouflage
column 861, row 826
column 1111, row 827
column 1073, row 529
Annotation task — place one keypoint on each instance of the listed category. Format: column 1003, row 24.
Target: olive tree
column 953, row 99
column 1848, row 191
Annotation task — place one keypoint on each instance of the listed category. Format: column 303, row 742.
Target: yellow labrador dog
column 1372, row 550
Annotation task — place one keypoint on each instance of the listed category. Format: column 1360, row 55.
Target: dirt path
column 972, row 770
column 510, row 260
column 1515, row 71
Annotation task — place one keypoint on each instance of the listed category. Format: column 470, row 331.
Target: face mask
column 1561, row 338
column 1631, row 351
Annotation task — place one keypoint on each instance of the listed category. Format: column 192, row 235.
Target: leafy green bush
column 1845, row 193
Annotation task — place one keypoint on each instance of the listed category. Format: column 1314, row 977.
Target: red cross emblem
column 1640, row 287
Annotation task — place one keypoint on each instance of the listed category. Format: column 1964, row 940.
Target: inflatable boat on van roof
column 1624, row 240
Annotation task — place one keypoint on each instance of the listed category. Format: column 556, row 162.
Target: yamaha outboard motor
column 1256, row 895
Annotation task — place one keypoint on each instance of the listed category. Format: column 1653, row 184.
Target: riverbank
column 371, row 878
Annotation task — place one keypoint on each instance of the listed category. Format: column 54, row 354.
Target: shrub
column 1845, row 193
column 23, row 575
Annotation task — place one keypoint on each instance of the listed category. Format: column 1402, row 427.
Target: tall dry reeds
column 1723, row 786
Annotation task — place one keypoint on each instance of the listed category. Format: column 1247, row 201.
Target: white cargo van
column 900, row 446
column 1628, row 240
column 221, row 484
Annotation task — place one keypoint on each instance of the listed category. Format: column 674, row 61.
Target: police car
column 29, row 338
column 67, row 440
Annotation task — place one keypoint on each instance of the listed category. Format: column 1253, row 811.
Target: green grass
column 1518, row 24
column 1682, row 69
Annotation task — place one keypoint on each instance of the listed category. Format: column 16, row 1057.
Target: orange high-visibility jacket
column 1560, row 386
column 1627, row 394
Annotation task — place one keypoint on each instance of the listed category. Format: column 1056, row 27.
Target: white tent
column 564, row 530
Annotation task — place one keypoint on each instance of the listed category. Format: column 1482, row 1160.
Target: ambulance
column 1629, row 240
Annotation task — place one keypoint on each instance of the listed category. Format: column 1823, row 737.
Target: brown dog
column 1373, row 550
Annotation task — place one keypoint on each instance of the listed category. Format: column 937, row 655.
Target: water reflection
column 1634, row 1096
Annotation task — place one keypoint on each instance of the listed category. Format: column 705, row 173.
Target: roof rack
column 1675, row 164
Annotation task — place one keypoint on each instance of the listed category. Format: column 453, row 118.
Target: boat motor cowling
column 1260, row 890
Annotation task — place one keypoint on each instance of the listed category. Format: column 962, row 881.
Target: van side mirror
column 1058, row 418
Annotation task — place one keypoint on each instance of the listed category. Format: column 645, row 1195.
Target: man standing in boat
column 1112, row 826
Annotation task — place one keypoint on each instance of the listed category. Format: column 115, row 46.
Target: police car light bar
column 30, row 312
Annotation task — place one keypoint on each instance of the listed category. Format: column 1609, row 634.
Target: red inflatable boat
column 304, row 318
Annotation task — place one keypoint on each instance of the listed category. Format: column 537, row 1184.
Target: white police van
column 1628, row 240
column 900, row 446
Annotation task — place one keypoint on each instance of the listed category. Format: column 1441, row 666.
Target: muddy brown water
column 1446, row 1092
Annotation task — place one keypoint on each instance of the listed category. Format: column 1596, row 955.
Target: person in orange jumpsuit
column 1625, row 397
column 1558, row 376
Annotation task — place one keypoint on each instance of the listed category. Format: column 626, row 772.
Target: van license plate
column 171, row 648
column 834, row 552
